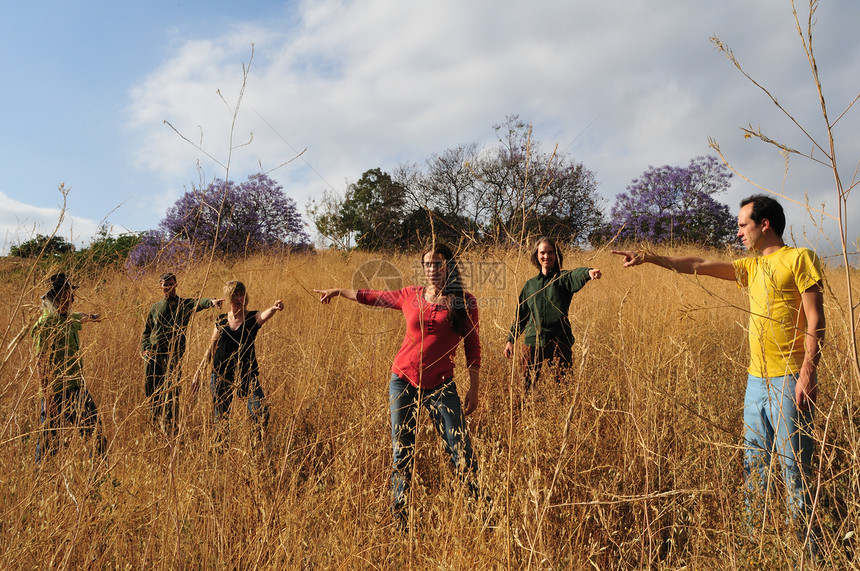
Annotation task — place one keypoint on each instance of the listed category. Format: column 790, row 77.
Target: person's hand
column 144, row 355
column 509, row 350
column 218, row 302
column 278, row 306
column 631, row 258
column 471, row 402
column 806, row 390
column 594, row 274
column 326, row 295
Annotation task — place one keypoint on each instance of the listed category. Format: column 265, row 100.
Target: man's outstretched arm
column 682, row 264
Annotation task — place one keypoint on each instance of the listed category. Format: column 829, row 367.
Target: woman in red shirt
column 437, row 317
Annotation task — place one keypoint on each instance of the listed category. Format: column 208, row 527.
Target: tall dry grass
column 632, row 462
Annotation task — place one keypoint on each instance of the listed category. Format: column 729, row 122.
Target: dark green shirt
column 56, row 337
column 164, row 331
column 543, row 306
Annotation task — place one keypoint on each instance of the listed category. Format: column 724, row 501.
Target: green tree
column 326, row 217
column 48, row 246
column 422, row 225
column 502, row 193
column 106, row 250
column 373, row 210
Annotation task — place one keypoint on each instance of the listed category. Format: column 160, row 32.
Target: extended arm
column 264, row 316
column 806, row 390
column 206, row 303
column 681, row 264
column 326, row 295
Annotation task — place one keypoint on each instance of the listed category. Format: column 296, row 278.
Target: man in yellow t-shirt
column 786, row 330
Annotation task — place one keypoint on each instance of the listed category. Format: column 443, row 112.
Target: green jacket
column 543, row 306
column 57, row 337
column 164, row 331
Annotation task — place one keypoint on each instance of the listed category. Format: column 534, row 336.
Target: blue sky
column 68, row 71
column 620, row 85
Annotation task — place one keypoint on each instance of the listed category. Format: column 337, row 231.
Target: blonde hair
column 235, row 288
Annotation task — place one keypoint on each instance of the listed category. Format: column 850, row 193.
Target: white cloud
column 20, row 222
column 373, row 83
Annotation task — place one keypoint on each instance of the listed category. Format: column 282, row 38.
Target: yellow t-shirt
column 777, row 324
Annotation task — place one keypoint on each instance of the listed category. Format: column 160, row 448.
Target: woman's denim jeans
column 443, row 404
column 222, row 397
column 774, row 427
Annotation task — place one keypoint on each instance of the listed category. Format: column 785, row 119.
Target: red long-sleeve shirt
column 426, row 357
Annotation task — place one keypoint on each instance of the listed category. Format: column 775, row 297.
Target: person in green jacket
column 57, row 344
column 542, row 312
column 163, row 346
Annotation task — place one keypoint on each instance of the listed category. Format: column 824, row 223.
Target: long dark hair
column 453, row 290
column 559, row 258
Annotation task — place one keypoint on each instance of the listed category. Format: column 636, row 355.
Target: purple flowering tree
column 676, row 204
column 156, row 249
column 237, row 219
column 233, row 219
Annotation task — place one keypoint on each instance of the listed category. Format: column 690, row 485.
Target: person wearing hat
column 58, row 363
column 163, row 346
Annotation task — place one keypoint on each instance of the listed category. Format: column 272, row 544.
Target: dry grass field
column 632, row 462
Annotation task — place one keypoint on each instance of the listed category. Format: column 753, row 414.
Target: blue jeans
column 78, row 408
column 222, row 397
column 443, row 404
column 774, row 427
